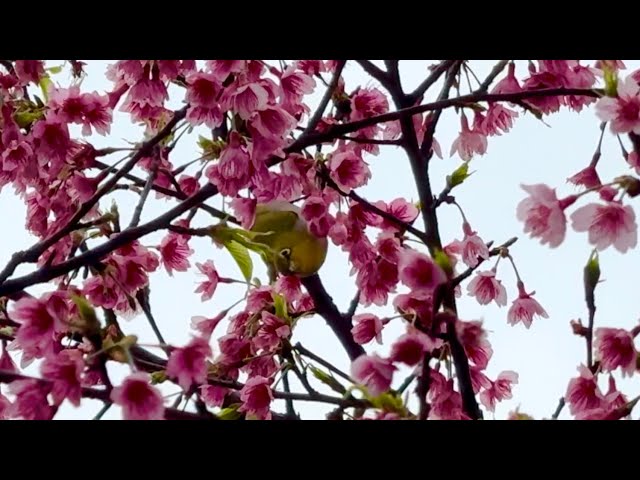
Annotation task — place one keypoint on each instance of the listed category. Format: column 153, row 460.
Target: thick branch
column 326, row 308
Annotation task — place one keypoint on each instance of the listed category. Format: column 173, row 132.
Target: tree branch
column 433, row 77
column 317, row 116
column 326, row 308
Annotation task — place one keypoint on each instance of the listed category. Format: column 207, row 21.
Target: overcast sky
column 545, row 356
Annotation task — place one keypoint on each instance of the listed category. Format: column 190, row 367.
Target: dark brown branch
column 326, row 308
column 373, row 70
column 353, row 306
column 424, row 383
column 462, row 100
column 137, row 212
column 307, row 353
column 419, row 167
column 495, row 71
column 369, row 141
column 433, row 77
column 317, row 116
column 559, row 408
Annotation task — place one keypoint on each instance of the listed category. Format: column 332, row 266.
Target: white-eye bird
column 292, row 248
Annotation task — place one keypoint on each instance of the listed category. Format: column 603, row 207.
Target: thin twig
column 307, row 353
column 105, row 408
column 326, row 98
column 135, row 219
column 495, row 71
column 559, row 408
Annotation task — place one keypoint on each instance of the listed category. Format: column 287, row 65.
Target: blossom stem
column 135, row 219
column 596, row 155
column 515, row 269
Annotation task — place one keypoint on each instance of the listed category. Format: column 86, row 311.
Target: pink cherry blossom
column 376, row 279
column 468, row 143
column 175, row 252
column 608, row 224
column 587, row 177
column 5, row 407
column 615, row 348
column 479, row 380
column 213, row 395
column 472, row 247
column 348, row 170
column 64, row 370
column 367, row 327
column 272, row 330
column 138, row 398
column 497, row 120
column 485, row 287
column 289, row 287
column 583, row 392
column 543, row 214
column 221, row 69
column 208, row 287
column 525, row 308
column 39, row 320
column 31, row 400
column 410, row 348
column 473, row 338
column 233, row 349
column 447, row 403
column 205, row 326
column 245, row 210
column 373, row 372
column 52, row 139
column 623, row 112
column 29, row 70
column 188, row 364
column 256, row 396
column 510, row 83
column 419, row 272
column 232, row 172
column 368, row 102
column 499, row 390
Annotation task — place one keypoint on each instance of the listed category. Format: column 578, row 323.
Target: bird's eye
column 285, row 252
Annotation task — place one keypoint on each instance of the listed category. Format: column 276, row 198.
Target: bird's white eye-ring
column 285, row 252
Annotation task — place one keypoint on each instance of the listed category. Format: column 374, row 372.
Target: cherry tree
column 73, row 301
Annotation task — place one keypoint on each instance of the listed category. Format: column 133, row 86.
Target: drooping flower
column 499, row 390
column 473, row 338
column 272, row 330
column 485, row 287
column 367, row 326
column 543, row 214
column 188, row 364
column 583, row 392
column 525, row 308
column 472, row 247
column 419, row 272
column 175, row 252
column 623, row 111
column 615, row 348
column 208, row 287
column 138, row 398
column 609, row 224
column 31, row 400
column 256, row 396
column 373, row 372
column 64, row 370
column 468, row 143
column 348, row 170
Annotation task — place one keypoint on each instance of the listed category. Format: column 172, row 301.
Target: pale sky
column 546, row 356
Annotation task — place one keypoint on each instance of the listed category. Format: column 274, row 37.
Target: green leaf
column 389, row 403
column 44, row 86
column 230, row 413
column 89, row 322
column 459, row 175
column 592, row 272
column 240, row 254
column 328, row 380
column 55, row 70
column 281, row 306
